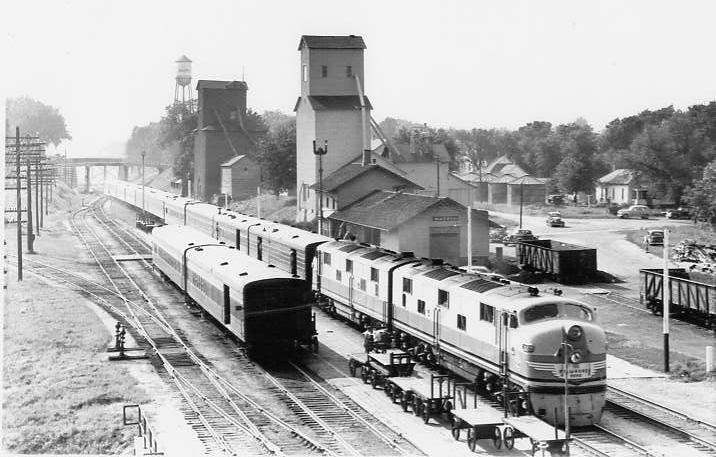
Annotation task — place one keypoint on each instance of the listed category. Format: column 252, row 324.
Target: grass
column 634, row 351
column 61, row 393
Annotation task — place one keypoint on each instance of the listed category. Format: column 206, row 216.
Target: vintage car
column 519, row 235
column 554, row 219
column 654, row 237
column 634, row 211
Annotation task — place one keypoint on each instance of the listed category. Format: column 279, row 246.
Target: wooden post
column 19, row 204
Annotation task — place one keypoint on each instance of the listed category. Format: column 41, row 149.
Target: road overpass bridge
column 124, row 165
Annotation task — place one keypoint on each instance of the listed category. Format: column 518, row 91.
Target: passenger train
column 471, row 324
column 264, row 307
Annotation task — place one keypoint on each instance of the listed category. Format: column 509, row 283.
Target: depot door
column 445, row 244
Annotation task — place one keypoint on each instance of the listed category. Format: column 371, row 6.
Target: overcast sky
column 109, row 65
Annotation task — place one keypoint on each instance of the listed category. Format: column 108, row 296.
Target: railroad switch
column 120, row 334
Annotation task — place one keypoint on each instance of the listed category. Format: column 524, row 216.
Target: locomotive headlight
column 576, row 357
column 575, row 332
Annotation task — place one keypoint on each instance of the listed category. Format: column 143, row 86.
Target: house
column 622, row 186
column 240, row 177
column 429, row 226
column 504, row 182
column 357, row 178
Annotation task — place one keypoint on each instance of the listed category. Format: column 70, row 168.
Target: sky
column 109, row 65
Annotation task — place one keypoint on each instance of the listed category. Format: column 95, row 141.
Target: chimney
column 366, row 157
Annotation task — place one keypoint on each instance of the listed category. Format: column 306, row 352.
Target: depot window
column 349, row 71
column 421, row 306
column 443, row 298
column 324, row 71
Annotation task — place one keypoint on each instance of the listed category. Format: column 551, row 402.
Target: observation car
column 261, row 305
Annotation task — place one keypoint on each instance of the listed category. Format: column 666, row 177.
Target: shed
column 240, row 176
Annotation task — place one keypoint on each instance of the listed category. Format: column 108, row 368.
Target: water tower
column 182, row 91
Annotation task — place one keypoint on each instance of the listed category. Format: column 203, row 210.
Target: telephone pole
column 19, row 204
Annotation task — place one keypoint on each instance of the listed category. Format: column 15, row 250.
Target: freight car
column 565, row 263
column 480, row 329
column 692, row 300
column 262, row 306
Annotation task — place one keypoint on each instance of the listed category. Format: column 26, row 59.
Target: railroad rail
column 224, row 417
column 697, row 433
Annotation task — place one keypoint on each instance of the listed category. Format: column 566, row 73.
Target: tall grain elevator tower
column 182, row 90
column 331, row 109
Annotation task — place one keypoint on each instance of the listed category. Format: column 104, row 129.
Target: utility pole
column 666, row 299
column 30, row 234
column 38, row 197
column 144, row 217
column 320, row 152
column 437, row 163
column 19, row 204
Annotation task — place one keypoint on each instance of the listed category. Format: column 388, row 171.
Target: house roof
column 527, row 180
column 385, row 210
column 326, row 102
column 618, row 176
column 404, row 155
column 211, row 84
column 355, row 168
column 232, row 161
column 331, row 42
column 497, row 164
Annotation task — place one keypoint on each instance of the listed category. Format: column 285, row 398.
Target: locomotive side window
column 408, row 285
column 461, row 322
column 338, row 275
column 238, row 239
column 487, row 312
column 374, row 274
column 404, row 300
column 362, row 285
column 421, row 306
column 443, row 298
column 327, row 258
column 349, row 266
column 259, row 248
column 294, row 268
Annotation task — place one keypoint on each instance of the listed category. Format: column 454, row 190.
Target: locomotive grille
column 481, row 285
column 440, row 274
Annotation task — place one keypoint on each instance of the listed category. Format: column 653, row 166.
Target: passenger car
column 654, row 237
column 556, row 199
column 519, row 235
column 679, row 213
column 634, row 211
column 554, row 219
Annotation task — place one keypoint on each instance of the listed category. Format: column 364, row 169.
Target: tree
column 277, row 156
column 702, row 194
column 33, row 117
column 273, row 120
column 580, row 168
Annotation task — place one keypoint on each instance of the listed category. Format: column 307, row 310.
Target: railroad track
column 225, row 419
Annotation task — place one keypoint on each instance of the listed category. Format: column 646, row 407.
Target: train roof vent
column 372, row 255
column 275, row 230
column 440, row 274
column 199, row 249
column 481, row 285
column 190, row 244
column 294, row 236
column 243, row 274
column 271, row 266
column 232, row 247
column 222, row 242
column 350, row 247
column 224, row 263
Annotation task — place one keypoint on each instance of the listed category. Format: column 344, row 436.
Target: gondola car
column 475, row 327
column 262, row 306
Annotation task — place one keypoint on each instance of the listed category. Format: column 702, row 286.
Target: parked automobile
column 554, row 219
column 519, row 235
column 679, row 213
column 634, row 211
column 654, row 237
column 555, row 199
column 497, row 234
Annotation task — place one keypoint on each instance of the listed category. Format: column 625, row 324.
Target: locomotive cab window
column 487, row 312
column 421, row 306
column 349, row 266
column 443, row 298
column 407, row 285
column 461, row 322
column 374, row 274
column 327, row 258
column 556, row 311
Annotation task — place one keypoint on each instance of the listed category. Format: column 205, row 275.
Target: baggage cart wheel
column 387, row 389
column 496, row 438
column 416, row 406
column 364, row 375
column 426, row 413
column 508, row 436
column 471, row 438
column 456, row 428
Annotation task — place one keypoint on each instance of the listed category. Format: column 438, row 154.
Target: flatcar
column 264, row 307
column 475, row 327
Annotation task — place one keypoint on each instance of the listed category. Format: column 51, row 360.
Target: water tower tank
column 183, row 71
